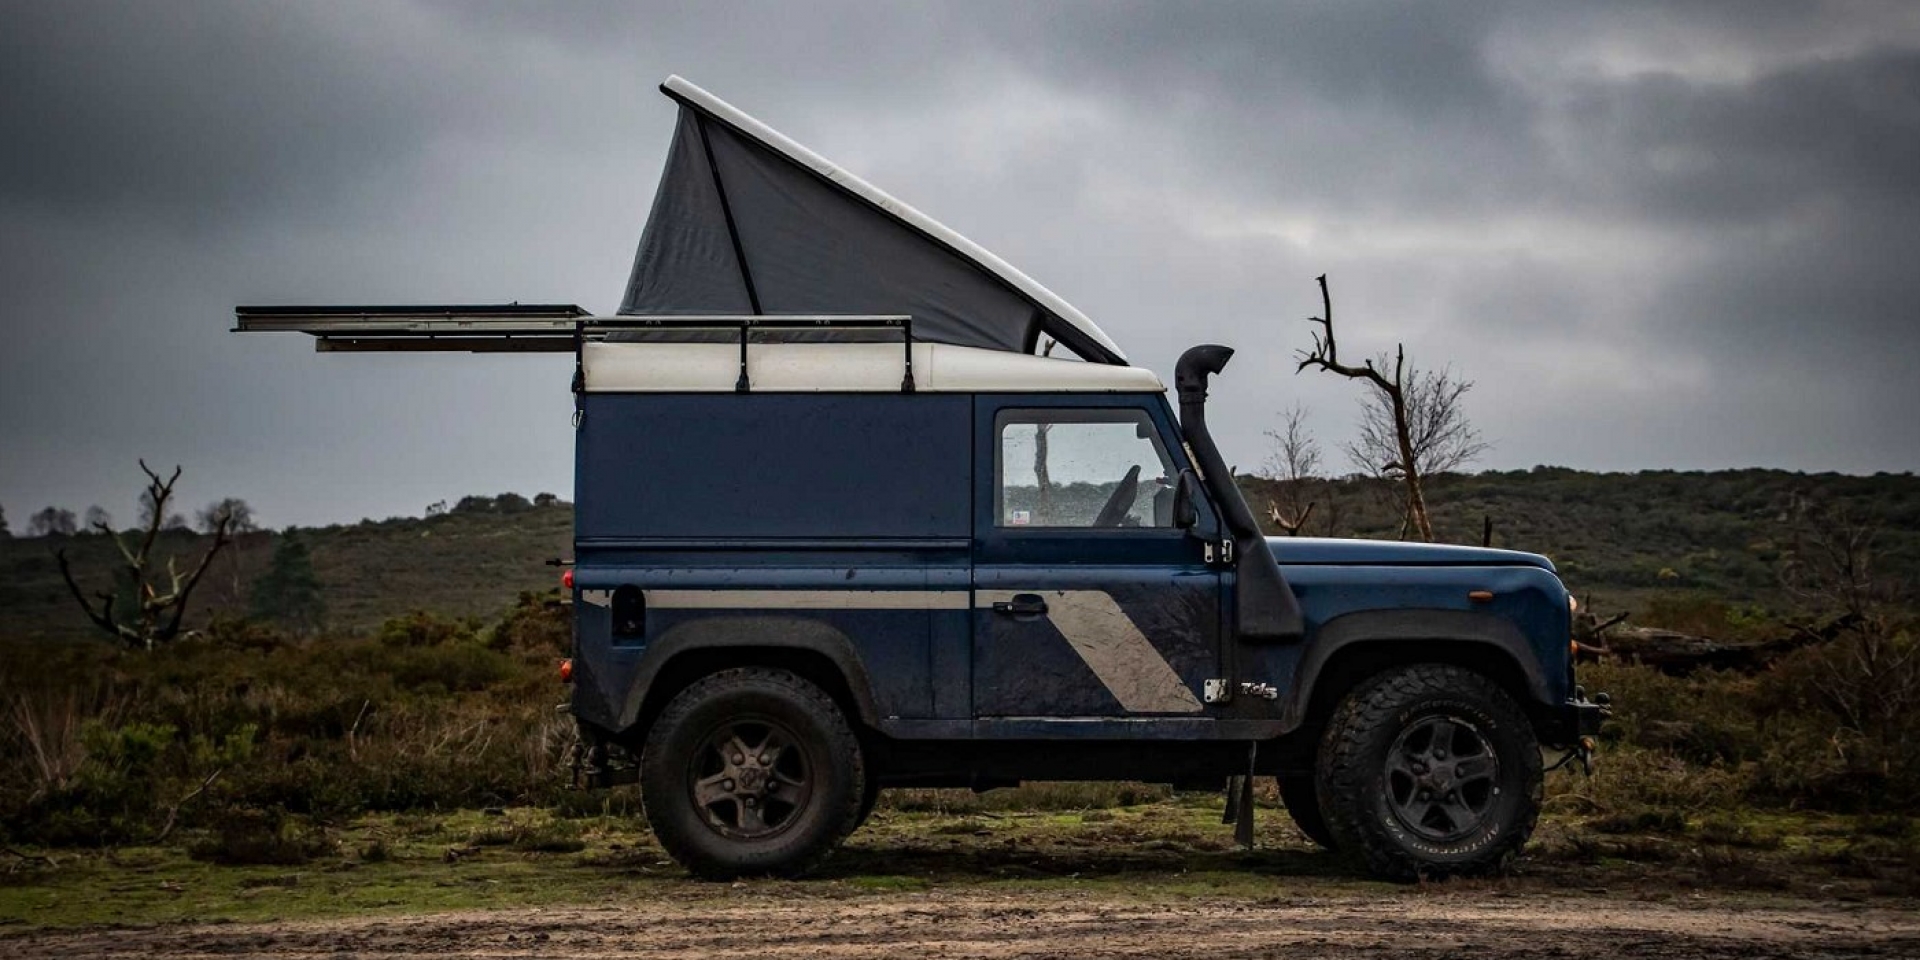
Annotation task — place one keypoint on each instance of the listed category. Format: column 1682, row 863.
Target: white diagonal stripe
column 1113, row 647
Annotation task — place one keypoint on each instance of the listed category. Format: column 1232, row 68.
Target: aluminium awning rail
column 478, row 328
column 526, row 328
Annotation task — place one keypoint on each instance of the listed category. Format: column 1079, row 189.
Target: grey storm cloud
column 1656, row 235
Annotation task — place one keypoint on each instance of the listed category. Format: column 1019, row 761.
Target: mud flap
column 1239, row 810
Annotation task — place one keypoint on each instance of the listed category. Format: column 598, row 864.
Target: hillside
column 1620, row 537
column 1625, row 536
column 462, row 564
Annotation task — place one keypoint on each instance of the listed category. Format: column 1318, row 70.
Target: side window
column 1082, row 468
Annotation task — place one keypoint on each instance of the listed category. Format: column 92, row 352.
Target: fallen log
column 1678, row 654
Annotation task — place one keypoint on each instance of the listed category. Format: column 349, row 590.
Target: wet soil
column 948, row 923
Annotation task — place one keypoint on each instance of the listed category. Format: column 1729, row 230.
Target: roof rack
column 531, row 328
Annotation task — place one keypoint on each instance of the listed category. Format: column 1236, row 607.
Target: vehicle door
column 1089, row 602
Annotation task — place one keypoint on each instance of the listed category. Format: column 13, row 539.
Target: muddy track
column 1054, row 925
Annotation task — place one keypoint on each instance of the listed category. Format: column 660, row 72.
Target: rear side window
column 1090, row 468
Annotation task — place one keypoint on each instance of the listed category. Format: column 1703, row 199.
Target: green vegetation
column 257, row 733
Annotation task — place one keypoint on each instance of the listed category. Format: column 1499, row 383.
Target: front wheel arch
column 1353, row 649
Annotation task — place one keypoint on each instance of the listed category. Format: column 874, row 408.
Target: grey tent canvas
column 746, row 221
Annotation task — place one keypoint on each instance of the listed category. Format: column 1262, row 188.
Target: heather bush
column 104, row 747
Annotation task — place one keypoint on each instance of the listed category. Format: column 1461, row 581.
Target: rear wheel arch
column 806, row 648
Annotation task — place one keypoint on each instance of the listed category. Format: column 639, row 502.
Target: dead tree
column 156, row 608
column 1042, row 478
column 1295, row 461
column 1412, row 425
column 1829, row 563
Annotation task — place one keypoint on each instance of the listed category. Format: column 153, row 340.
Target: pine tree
column 289, row 593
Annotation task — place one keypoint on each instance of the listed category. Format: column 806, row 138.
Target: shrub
column 1842, row 717
column 263, row 837
column 422, row 629
column 539, row 626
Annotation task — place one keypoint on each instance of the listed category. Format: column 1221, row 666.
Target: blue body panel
column 711, row 466
column 864, row 528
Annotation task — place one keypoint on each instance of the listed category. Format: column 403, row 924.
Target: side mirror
column 1185, row 513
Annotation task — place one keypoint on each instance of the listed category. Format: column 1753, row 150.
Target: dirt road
column 1483, row 925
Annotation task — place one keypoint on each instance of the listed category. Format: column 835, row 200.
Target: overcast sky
column 1655, row 235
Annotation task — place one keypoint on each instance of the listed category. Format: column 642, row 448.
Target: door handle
column 1022, row 605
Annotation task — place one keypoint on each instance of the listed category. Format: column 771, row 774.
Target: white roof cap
column 679, row 367
column 774, row 140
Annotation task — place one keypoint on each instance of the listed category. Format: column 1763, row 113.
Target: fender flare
column 1437, row 626
column 765, row 632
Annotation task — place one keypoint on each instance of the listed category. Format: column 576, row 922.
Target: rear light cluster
column 566, row 666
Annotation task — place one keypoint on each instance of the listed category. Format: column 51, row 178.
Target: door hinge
column 1221, row 552
column 1216, row 691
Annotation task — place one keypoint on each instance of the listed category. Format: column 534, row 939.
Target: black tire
column 1430, row 770
column 1302, row 800
column 751, row 771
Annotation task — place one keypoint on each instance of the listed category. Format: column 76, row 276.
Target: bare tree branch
column 1294, row 463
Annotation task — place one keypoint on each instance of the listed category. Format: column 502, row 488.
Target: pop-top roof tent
column 752, row 233
column 747, row 221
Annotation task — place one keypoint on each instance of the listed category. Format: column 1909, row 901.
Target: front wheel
column 751, row 771
column 1430, row 770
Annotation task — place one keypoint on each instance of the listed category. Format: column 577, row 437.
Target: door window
column 1082, row 468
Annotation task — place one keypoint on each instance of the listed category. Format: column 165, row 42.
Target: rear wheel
column 751, row 771
column 1430, row 771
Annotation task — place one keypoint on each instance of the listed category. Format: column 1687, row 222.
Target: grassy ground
column 1163, row 846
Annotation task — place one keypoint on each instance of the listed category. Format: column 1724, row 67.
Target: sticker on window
column 1020, row 518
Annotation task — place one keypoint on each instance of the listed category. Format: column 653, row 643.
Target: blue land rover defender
column 845, row 520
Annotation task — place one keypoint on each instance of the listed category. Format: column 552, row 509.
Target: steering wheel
column 1121, row 502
